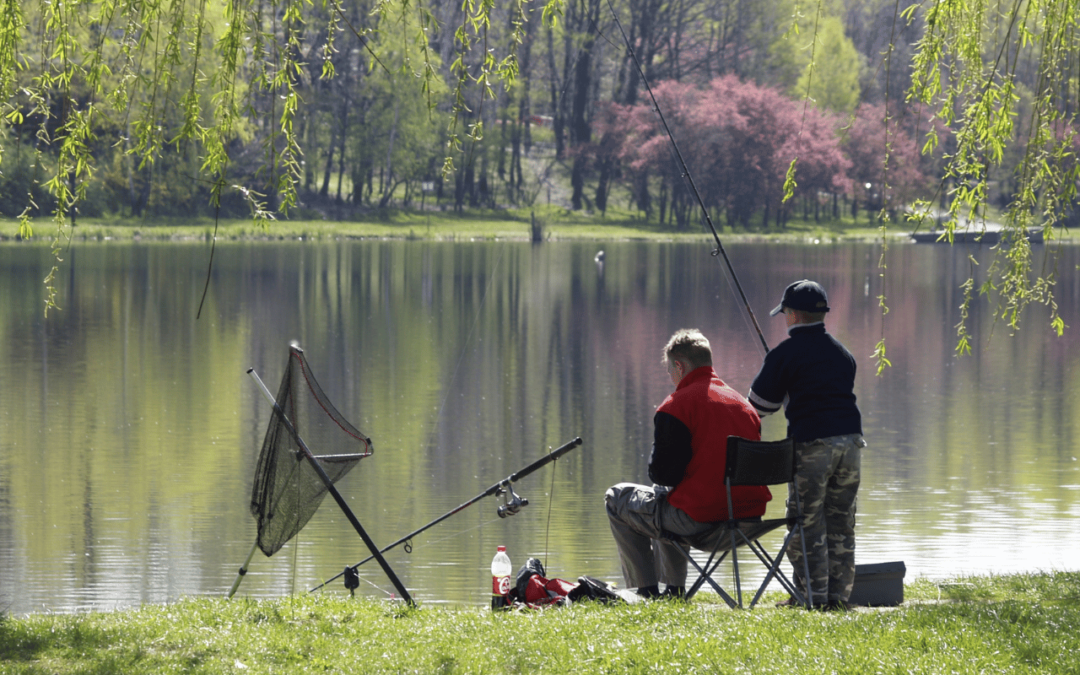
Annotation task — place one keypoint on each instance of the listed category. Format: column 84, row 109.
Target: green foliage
column 966, row 71
column 789, row 181
column 879, row 349
column 831, row 80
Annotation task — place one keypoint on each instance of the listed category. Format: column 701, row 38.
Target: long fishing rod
column 690, row 179
column 512, row 503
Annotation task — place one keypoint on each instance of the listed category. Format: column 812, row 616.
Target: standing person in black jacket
column 812, row 376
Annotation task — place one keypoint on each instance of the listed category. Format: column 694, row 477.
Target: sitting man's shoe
column 649, row 592
column 674, row 593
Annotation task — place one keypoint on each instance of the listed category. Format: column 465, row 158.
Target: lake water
column 129, row 430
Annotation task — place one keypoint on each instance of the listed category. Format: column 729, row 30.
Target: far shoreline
column 551, row 226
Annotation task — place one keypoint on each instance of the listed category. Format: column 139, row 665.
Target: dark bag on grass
column 589, row 588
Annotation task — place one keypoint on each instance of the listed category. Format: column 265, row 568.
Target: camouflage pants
column 827, row 479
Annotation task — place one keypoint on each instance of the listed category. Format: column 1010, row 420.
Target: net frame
column 287, row 489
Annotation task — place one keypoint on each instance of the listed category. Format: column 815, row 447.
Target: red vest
column 712, row 411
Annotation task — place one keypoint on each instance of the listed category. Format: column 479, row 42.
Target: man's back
column 711, row 411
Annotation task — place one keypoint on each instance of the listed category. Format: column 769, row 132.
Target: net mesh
column 288, row 489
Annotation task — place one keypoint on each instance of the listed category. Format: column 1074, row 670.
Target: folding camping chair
column 749, row 463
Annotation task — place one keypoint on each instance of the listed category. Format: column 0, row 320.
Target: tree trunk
column 325, row 189
column 641, row 193
column 556, row 104
column 341, row 147
column 580, row 128
column 602, row 185
column 389, row 192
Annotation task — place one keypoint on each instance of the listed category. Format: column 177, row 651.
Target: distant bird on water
column 599, row 257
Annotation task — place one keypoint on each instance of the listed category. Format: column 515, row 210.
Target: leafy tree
column 885, row 156
column 737, row 138
column 832, row 79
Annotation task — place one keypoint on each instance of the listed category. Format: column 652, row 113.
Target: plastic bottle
column 500, row 580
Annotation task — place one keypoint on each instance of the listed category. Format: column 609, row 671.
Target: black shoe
column 649, row 592
column 792, row 603
column 674, row 593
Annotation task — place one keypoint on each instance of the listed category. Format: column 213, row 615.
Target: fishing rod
column 690, row 179
column 512, row 503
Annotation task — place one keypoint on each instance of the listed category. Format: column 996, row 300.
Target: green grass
column 513, row 225
column 1021, row 624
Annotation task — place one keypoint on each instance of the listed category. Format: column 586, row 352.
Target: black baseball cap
column 805, row 296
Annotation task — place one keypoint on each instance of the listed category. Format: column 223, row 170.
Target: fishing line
column 375, row 586
column 295, row 560
column 731, row 285
column 719, row 251
column 455, row 535
column 551, row 500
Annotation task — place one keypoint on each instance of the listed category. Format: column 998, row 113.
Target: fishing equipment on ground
column 290, row 480
column 501, row 569
column 534, row 590
column 719, row 250
column 510, row 506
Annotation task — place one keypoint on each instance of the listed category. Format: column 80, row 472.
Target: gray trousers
column 638, row 514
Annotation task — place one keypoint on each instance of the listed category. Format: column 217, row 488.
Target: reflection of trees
column 465, row 362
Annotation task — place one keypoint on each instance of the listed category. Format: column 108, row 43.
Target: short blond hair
column 690, row 346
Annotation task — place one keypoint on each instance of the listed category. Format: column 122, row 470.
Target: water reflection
column 128, row 431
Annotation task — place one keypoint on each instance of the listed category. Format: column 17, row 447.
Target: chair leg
column 773, row 566
column 735, row 567
column 806, row 561
column 774, row 571
column 705, row 575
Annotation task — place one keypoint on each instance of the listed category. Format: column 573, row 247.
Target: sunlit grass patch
column 1017, row 623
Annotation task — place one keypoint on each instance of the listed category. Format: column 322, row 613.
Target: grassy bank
column 555, row 224
column 1022, row 624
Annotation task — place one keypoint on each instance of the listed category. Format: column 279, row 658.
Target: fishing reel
column 512, row 502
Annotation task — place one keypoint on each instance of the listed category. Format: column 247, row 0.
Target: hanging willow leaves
column 966, row 70
column 199, row 78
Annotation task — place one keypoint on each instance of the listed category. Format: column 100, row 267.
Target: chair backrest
column 759, row 462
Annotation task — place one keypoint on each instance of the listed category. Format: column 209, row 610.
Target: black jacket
column 813, row 375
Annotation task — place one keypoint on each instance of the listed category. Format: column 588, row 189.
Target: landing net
column 287, row 489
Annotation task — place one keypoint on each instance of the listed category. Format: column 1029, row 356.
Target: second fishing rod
column 720, row 251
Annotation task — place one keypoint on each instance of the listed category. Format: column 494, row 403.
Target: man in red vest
column 687, row 469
